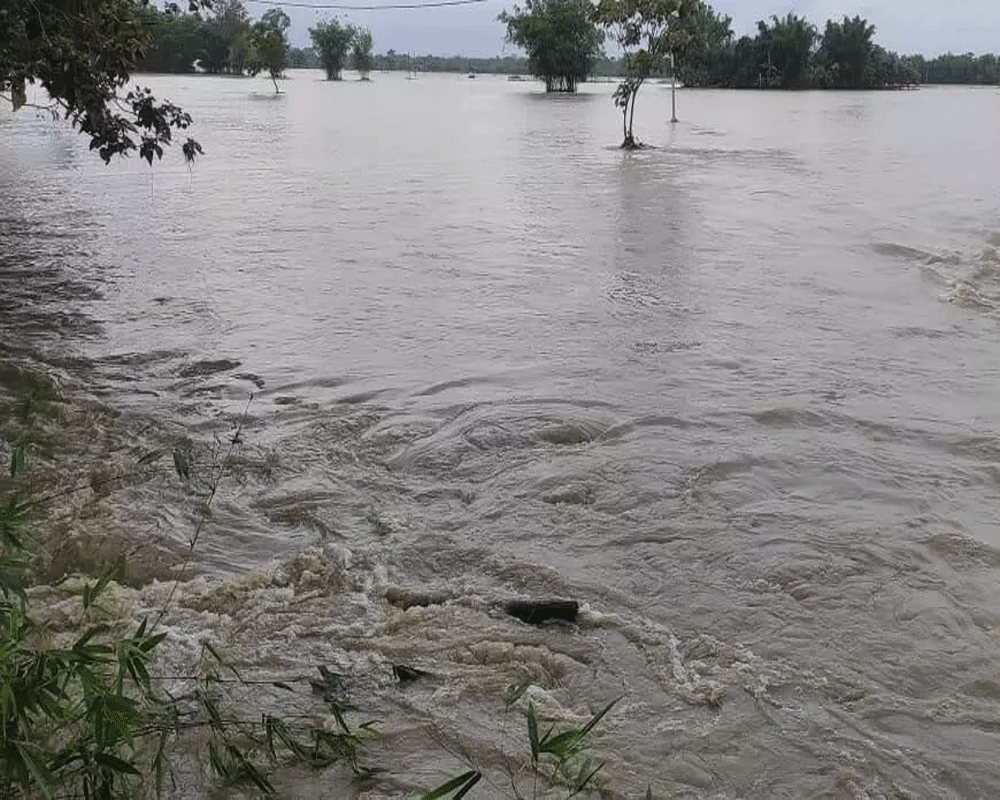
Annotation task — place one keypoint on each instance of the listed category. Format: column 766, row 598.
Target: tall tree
column 788, row 43
column 270, row 47
column 708, row 61
column 227, row 38
column 332, row 41
column 845, row 52
column 84, row 61
column 646, row 31
column 560, row 39
column 176, row 40
column 361, row 52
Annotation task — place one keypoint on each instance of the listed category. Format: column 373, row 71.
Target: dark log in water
column 535, row 612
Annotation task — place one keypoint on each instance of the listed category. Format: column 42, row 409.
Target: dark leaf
column 115, row 764
column 462, row 783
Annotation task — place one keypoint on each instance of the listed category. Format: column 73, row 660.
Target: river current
column 737, row 393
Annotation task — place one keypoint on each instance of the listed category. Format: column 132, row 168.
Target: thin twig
column 218, row 471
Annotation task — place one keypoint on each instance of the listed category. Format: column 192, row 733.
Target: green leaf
column 115, row 764
column 598, row 717
column 150, row 457
column 514, row 693
column 463, row 783
column 150, row 642
column 161, row 767
column 35, row 767
column 249, row 770
column 17, row 459
column 563, row 745
column 215, row 720
column 8, row 700
column 586, row 775
column 182, row 464
column 80, row 644
column 533, row 732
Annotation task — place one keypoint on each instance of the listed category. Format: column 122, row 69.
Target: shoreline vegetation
column 785, row 53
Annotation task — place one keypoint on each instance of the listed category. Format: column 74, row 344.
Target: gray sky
column 907, row 26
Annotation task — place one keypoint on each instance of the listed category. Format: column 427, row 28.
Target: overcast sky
column 907, row 26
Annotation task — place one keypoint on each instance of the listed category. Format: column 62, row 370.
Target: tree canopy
column 561, row 41
column 646, row 31
column 269, row 47
column 84, row 58
column 791, row 53
column 332, row 42
column 361, row 53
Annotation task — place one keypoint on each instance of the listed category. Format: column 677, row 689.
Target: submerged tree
column 361, row 53
column 269, row 45
column 332, row 41
column 84, row 61
column 845, row 51
column 560, row 39
column 646, row 31
column 787, row 45
column 227, row 38
column 708, row 61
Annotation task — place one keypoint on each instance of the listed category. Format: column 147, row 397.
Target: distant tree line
column 785, row 53
column 966, row 69
column 225, row 41
column 791, row 53
column 391, row 61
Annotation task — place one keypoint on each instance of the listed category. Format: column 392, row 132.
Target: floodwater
column 738, row 394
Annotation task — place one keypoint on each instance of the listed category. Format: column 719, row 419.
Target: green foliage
column 961, row 69
column 87, row 717
column 84, row 58
column 361, row 52
column 269, row 45
column 708, row 61
column 461, row 785
column 332, row 42
column 303, row 58
column 557, row 756
column 846, row 51
column 646, row 31
column 560, row 39
column 226, row 39
column 787, row 46
column 790, row 53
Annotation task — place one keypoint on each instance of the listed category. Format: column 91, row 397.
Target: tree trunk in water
column 274, row 80
column 631, row 115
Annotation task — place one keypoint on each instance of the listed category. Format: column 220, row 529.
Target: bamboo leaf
column 533, row 732
column 182, row 465
column 151, row 642
column 562, row 745
column 17, row 459
column 36, row 768
column 161, row 766
column 81, row 643
column 514, row 693
column 586, row 775
column 150, row 457
column 598, row 717
column 115, row 764
column 463, row 783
